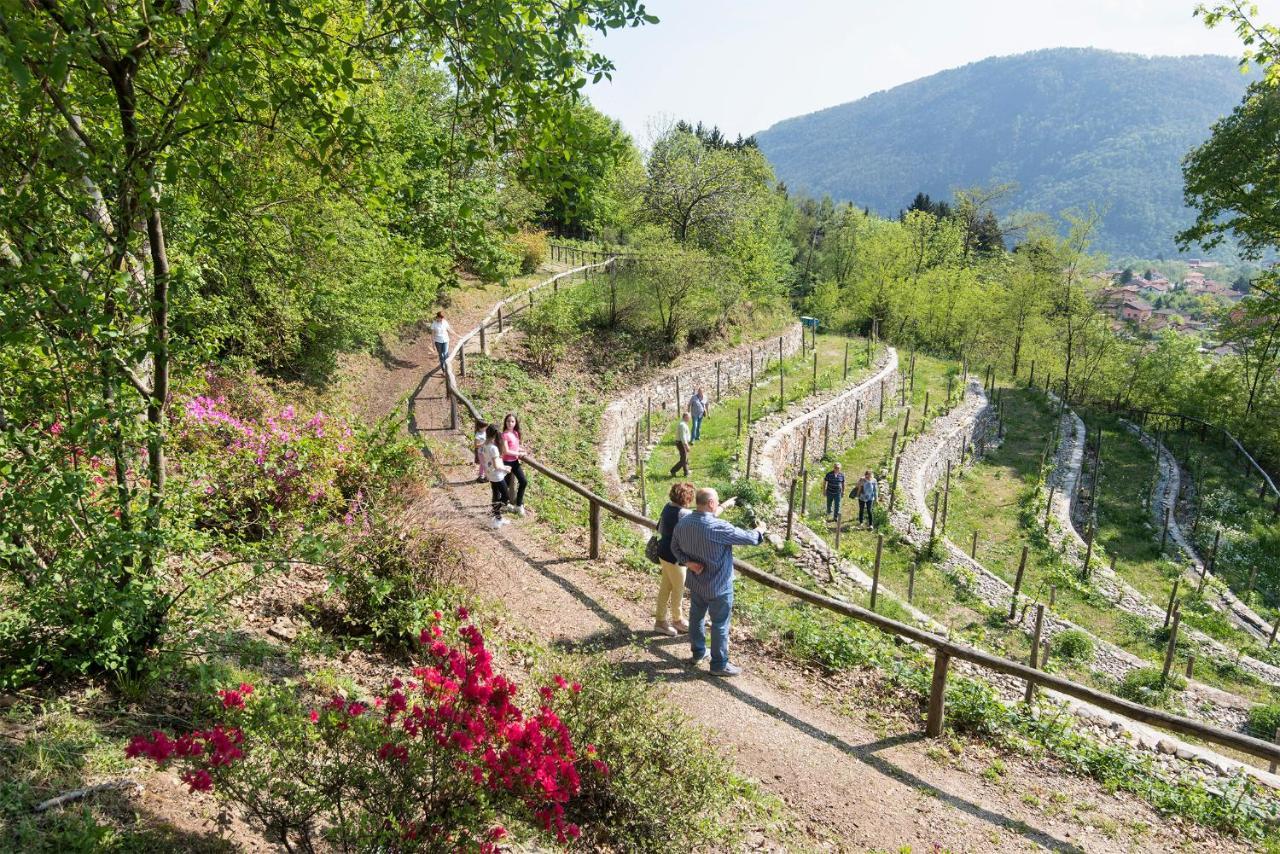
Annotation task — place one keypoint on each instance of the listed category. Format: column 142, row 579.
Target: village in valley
column 1188, row 297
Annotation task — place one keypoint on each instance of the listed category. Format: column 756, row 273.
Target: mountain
column 1070, row 127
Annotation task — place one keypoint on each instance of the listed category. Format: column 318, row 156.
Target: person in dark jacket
column 671, row 586
column 835, row 491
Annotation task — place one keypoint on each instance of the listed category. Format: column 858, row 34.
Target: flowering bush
column 250, row 474
column 430, row 764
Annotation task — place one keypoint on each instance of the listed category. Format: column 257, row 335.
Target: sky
column 746, row 64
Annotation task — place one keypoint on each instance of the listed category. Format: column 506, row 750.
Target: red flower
column 198, row 780
column 314, row 715
column 463, row 613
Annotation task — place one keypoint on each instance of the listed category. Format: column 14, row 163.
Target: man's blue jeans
column 697, row 427
column 833, row 503
column 720, row 608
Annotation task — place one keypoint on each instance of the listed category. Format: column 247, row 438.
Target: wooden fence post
column 950, row 382
column 875, row 573
column 739, row 434
column 1088, row 552
column 637, row 445
column 893, row 487
column 462, row 361
column 1035, row 651
column 815, row 370
column 826, row 435
column 973, row 549
column 644, row 495
column 1173, row 597
column 679, row 406
column 484, row 344
column 1032, row 381
column 1191, row 663
column 751, row 445
column 1049, row 505
column 846, row 360
column 1276, row 738
column 1172, row 647
column 906, row 426
column 1053, row 595
column 924, row 413
column 453, row 410
column 791, row 508
column 594, row 518
column 946, row 495
column 857, row 416
column 1274, row 629
column 499, row 320
column 893, row 444
column 933, row 521
column 937, row 694
column 1164, row 533
column 913, row 371
column 1017, row 580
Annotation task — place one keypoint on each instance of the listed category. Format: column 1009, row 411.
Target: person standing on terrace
column 704, row 543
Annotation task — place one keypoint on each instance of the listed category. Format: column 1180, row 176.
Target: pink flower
column 198, row 781
column 56, row 428
column 314, row 716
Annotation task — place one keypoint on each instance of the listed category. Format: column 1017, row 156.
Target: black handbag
column 651, row 549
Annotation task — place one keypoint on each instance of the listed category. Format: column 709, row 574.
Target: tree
column 107, row 107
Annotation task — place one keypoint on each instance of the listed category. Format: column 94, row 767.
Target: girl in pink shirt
column 511, row 457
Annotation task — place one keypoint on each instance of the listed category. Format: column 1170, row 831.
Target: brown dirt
column 852, row 778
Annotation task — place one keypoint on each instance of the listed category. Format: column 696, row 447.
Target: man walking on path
column 866, row 491
column 835, row 491
column 698, row 409
column 704, row 543
column 683, row 438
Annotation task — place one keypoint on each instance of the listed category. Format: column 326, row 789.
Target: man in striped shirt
column 704, row 543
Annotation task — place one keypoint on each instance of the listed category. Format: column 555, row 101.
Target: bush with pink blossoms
column 438, row 761
column 249, row 475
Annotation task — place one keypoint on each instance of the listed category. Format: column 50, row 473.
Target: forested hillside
column 1070, row 128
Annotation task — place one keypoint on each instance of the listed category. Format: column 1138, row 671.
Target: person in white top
column 496, row 473
column 440, row 330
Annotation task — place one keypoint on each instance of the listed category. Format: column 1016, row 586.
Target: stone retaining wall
column 617, row 426
column 779, row 457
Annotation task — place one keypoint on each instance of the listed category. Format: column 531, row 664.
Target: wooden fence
column 944, row 649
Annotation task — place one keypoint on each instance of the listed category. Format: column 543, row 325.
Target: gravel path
column 848, row 784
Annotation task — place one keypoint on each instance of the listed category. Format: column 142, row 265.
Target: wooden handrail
column 944, row 648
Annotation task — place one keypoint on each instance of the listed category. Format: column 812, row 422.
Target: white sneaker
column 662, row 627
column 520, row 509
column 497, row 523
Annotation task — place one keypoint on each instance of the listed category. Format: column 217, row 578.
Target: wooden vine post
column 846, row 360
column 893, row 487
column 946, row 495
column 782, row 372
column 1164, row 532
column 1017, row 580
column 875, row 573
column 791, row 508
column 644, row 495
column 1035, row 650
column 739, row 434
column 973, row 549
column 1173, row 597
column 751, row 446
column 462, row 361
column 857, row 416
column 826, row 434
column 1172, row 647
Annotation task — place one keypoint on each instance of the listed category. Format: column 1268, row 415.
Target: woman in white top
column 440, row 330
column 495, row 471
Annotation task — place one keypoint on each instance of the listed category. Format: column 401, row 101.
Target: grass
column 718, row 452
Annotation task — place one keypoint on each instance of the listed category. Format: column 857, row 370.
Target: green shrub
column 667, row 788
column 975, row 707
column 550, row 327
column 1144, row 685
column 530, row 249
column 1264, row 720
column 755, row 499
column 393, row 576
column 1073, row 645
column 832, row 644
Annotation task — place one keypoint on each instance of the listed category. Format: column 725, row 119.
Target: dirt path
column 849, row 779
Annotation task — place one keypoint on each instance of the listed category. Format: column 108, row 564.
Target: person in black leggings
column 495, row 472
column 511, row 454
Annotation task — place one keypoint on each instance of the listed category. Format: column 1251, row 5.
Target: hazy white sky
column 745, row 64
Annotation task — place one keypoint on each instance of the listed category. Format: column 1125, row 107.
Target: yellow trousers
column 670, row 592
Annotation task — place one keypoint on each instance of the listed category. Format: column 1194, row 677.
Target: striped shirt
column 703, row 538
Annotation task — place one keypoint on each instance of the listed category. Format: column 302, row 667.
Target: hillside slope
column 1069, row 126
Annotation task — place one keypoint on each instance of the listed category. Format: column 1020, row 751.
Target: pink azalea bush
column 433, row 763
column 250, row 474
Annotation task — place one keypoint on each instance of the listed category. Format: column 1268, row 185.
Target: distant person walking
column 671, row 585
column 866, row 491
column 684, row 437
column 835, row 491
column 512, row 454
column 698, row 407
column 496, row 473
column 440, row 331
column 704, row 543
